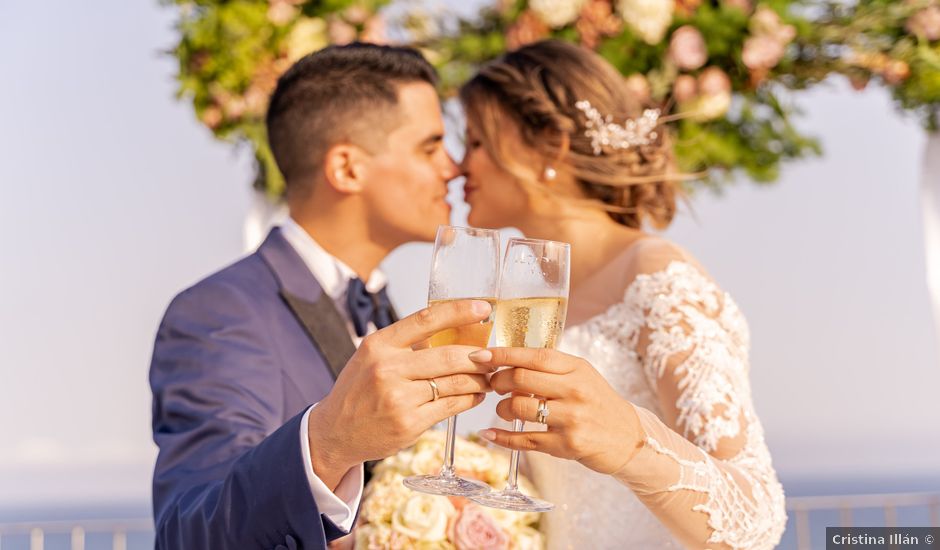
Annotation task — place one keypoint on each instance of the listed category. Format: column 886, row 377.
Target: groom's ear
column 344, row 168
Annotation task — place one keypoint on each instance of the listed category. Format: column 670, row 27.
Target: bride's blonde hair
column 537, row 86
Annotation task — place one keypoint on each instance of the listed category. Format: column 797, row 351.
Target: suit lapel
column 325, row 326
column 312, row 307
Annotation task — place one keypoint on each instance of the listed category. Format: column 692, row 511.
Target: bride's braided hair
column 538, row 86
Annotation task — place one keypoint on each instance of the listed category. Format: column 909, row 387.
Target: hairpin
column 606, row 133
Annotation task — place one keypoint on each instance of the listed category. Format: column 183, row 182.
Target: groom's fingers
column 435, row 411
column 431, row 320
column 540, row 359
column 421, row 391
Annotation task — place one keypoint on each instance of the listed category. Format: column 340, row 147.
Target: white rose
column 423, row 517
column 648, row 18
column 400, row 463
column 499, row 469
column 427, row 460
column 557, row 13
column 385, row 495
column 710, row 107
column 526, row 538
column 373, row 537
column 470, row 457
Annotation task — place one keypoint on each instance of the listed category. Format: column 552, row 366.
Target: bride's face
column 497, row 198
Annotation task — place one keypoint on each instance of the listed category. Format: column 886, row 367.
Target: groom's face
column 406, row 185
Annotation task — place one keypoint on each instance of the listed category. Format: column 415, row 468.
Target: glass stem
column 512, row 484
column 447, row 470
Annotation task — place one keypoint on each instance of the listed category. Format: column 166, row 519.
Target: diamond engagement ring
column 541, row 414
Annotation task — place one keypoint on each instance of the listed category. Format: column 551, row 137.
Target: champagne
column 530, row 322
column 477, row 334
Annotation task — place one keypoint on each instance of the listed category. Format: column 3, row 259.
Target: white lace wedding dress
column 676, row 346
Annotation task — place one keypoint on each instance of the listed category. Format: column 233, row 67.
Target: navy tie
column 365, row 306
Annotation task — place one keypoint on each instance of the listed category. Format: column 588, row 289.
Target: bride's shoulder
column 653, row 255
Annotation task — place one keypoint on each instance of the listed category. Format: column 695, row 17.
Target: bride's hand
column 587, row 420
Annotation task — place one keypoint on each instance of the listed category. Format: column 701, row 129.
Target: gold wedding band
column 541, row 414
column 434, row 390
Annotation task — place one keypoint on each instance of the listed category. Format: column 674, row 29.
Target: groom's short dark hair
column 337, row 94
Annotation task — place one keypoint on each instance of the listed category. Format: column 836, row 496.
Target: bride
column 652, row 439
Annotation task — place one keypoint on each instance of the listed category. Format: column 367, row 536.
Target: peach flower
column 685, row 88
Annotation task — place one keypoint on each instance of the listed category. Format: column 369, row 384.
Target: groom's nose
column 451, row 169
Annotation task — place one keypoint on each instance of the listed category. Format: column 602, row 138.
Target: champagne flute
column 530, row 313
column 464, row 265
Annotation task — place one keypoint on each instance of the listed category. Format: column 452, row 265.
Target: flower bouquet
column 395, row 517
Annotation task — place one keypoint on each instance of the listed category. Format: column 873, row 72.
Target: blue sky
column 113, row 198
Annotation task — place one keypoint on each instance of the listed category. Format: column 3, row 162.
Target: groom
column 264, row 409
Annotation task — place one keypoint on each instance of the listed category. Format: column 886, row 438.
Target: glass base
column 447, row 485
column 513, row 500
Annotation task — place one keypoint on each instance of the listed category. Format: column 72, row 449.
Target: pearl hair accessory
column 605, row 133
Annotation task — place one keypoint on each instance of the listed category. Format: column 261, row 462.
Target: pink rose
column 714, row 81
column 925, row 23
column 474, row 529
column 685, row 88
column 687, row 48
column 762, row 52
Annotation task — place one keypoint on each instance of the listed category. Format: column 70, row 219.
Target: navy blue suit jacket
column 237, row 359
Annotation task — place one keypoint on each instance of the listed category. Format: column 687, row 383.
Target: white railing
column 76, row 531
column 801, row 507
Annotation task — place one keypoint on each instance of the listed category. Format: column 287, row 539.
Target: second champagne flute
column 465, row 264
column 533, row 303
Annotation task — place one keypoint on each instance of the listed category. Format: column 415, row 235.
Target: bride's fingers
column 523, row 407
column 530, row 382
column 544, row 442
column 539, row 359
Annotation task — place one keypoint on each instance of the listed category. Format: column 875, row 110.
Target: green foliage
column 231, row 52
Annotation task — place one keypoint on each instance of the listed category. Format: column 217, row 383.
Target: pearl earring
column 549, row 174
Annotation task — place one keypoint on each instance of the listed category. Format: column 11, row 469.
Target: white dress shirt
column 333, row 275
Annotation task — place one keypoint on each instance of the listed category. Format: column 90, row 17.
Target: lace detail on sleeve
column 697, row 335
column 685, row 313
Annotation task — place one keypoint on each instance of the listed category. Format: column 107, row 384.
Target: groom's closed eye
column 432, row 144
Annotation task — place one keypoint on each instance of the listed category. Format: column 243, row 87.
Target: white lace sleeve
column 714, row 485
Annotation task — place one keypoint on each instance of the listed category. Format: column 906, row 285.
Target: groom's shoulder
column 246, row 280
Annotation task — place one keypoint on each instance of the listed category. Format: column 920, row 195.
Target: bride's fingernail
column 488, row 435
column 481, row 356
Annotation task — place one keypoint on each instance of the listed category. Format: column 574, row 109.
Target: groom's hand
column 382, row 401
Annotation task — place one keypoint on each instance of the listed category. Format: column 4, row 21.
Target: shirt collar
column 332, row 274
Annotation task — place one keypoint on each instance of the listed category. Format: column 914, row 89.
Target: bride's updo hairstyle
column 538, row 87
